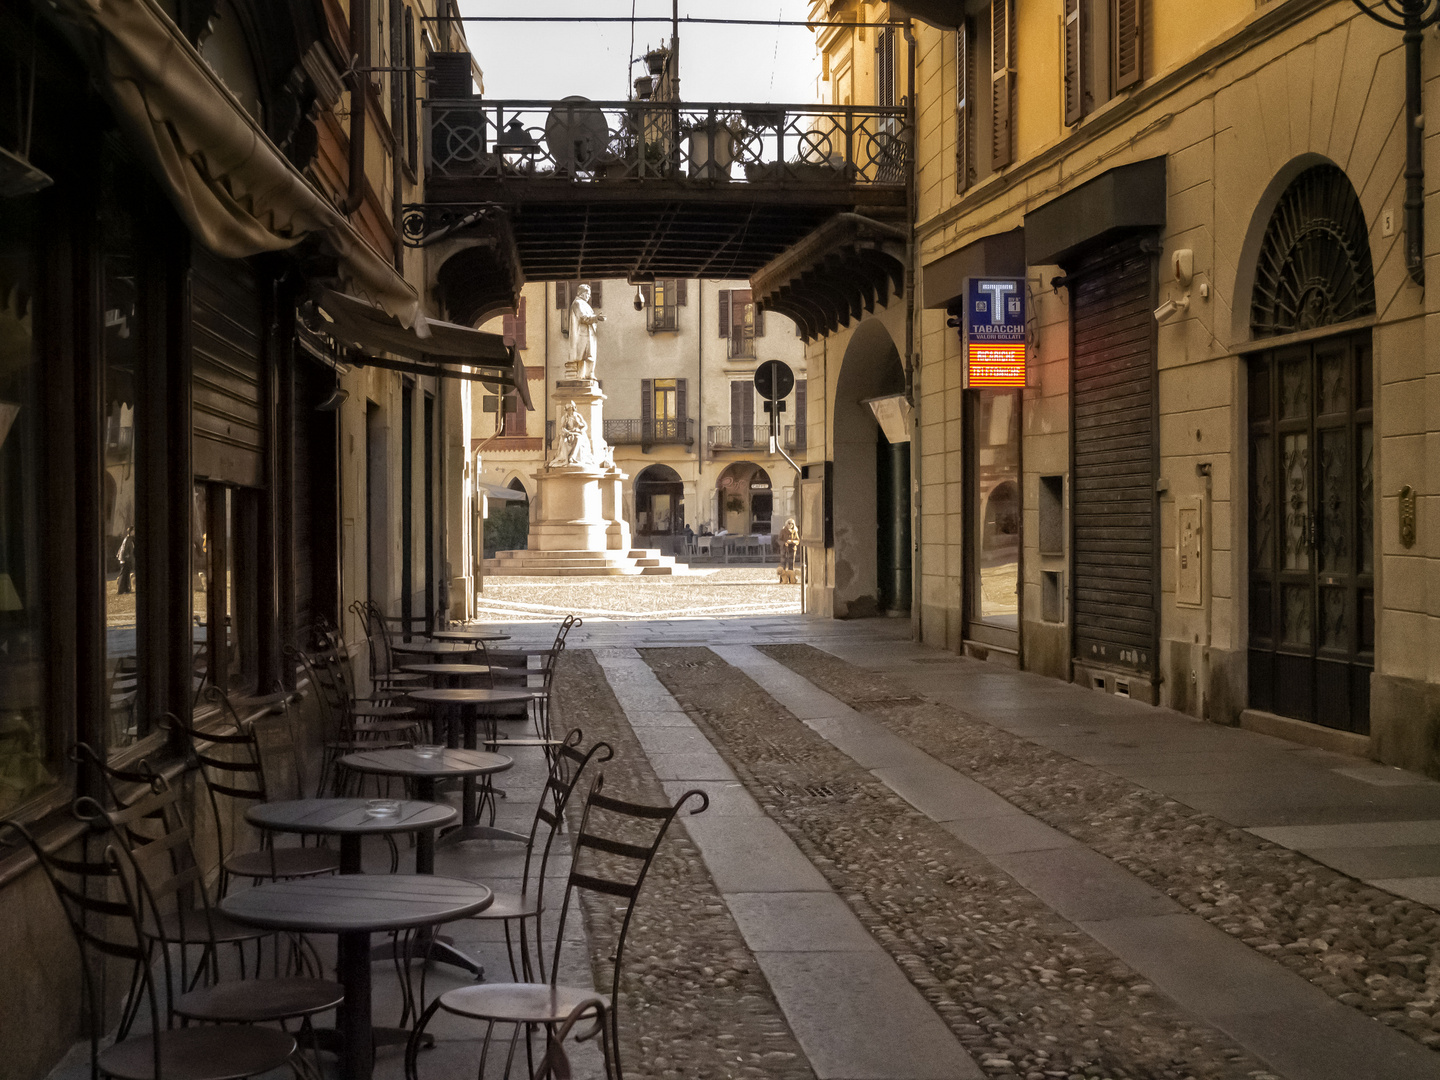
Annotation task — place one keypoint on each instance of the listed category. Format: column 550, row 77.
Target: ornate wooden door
column 1312, row 532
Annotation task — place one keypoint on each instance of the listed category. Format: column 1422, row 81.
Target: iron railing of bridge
column 649, row 432
column 635, row 141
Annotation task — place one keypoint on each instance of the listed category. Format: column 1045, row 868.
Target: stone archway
column 871, row 474
column 745, row 499
column 659, row 503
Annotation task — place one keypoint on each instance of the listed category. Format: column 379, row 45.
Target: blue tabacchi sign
column 994, row 333
column 995, row 311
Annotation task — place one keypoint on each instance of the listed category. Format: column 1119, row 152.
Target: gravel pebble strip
column 1025, row 992
column 725, row 591
column 1365, row 947
column 694, row 1003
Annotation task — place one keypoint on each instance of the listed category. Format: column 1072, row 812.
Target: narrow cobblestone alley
column 916, row 865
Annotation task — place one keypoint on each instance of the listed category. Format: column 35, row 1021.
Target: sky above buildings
column 717, row 63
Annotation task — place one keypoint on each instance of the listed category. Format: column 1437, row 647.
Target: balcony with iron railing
column 649, row 432
column 739, row 437
column 640, row 142
column 794, row 437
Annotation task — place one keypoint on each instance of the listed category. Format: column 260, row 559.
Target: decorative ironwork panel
column 605, row 141
column 1296, row 621
column 1262, row 503
column 1333, row 389
column 1314, row 267
column 1296, row 469
column 1335, row 500
column 1365, row 438
column 1295, row 389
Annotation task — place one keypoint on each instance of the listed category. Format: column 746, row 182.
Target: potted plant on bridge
column 710, row 145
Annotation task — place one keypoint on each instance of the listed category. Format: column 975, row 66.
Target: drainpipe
column 913, row 272
column 1414, row 149
column 359, row 53
column 1207, row 555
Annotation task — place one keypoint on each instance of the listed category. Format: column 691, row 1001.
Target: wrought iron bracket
column 422, row 224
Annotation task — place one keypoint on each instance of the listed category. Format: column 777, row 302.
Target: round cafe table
column 426, row 774
column 454, row 674
column 354, row 907
column 436, row 648
column 468, row 635
column 469, row 703
column 350, row 820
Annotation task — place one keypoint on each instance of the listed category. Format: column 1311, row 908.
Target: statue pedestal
column 581, row 527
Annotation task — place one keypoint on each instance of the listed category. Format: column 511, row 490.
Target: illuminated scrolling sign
column 994, row 324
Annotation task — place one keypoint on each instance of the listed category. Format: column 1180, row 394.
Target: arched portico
column 871, row 509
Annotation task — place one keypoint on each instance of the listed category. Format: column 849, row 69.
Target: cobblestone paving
column 722, row 592
column 1027, row 993
column 693, row 1001
column 1365, row 947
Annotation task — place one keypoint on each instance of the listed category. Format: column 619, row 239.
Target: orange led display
column 996, row 365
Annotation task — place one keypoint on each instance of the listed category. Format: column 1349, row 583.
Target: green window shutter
column 1128, row 19
column 724, row 308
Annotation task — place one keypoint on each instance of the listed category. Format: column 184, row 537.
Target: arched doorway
column 745, row 500
column 872, row 483
column 507, row 524
column 659, row 502
column 1311, row 441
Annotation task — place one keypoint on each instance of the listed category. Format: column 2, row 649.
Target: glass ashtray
column 382, row 807
column 429, row 750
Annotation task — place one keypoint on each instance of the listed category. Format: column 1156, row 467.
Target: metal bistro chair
column 538, row 708
column 230, row 764
column 382, row 659
column 107, row 926
column 568, row 762
column 166, row 877
column 620, row 874
column 349, row 725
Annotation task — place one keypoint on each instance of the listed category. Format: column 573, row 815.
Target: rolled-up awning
column 431, row 346
column 233, row 187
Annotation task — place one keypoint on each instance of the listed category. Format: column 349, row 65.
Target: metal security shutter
column 227, row 330
column 1114, row 514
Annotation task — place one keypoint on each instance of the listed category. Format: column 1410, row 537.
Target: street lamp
column 1412, row 17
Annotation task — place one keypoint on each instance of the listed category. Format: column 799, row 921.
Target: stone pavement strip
column 838, row 988
column 1294, row 1027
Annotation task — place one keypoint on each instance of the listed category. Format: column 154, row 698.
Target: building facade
column 1216, row 489
column 219, row 422
column 687, row 425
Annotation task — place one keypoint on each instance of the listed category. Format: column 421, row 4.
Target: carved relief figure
column 574, row 441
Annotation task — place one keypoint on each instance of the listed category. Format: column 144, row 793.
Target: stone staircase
column 634, row 562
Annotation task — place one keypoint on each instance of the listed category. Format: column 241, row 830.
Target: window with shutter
column 1074, row 61
column 759, row 320
column 562, row 295
column 507, row 327
column 663, row 312
column 1002, row 83
column 1127, row 17
column 742, row 324
column 680, row 292
column 724, row 310
column 647, row 405
column 520, row 327
column 885, row 68
column 597, row 294
column 801, row 419
column 682, row 417
column 412, row 117
column 964, row 124
column 515, row 414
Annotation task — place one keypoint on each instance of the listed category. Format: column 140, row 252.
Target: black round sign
column 774, row 380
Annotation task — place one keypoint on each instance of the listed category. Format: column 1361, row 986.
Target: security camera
column 639, row 299
column 1170, row 307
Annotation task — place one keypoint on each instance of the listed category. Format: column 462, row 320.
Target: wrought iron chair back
column 621, row 875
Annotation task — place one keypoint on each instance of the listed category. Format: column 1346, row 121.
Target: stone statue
column 574, row 441
column 789, row 550
column 583, row 320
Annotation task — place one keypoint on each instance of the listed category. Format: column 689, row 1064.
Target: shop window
column 30, row 747
column 224, row 594
column 124, row 534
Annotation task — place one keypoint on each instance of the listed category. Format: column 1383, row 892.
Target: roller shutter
column 227, row 333
column 1114, row 513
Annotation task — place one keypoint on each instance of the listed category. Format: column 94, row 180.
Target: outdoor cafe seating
column 241, row 979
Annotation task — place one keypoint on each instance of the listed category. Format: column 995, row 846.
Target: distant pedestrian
column 126, row 557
